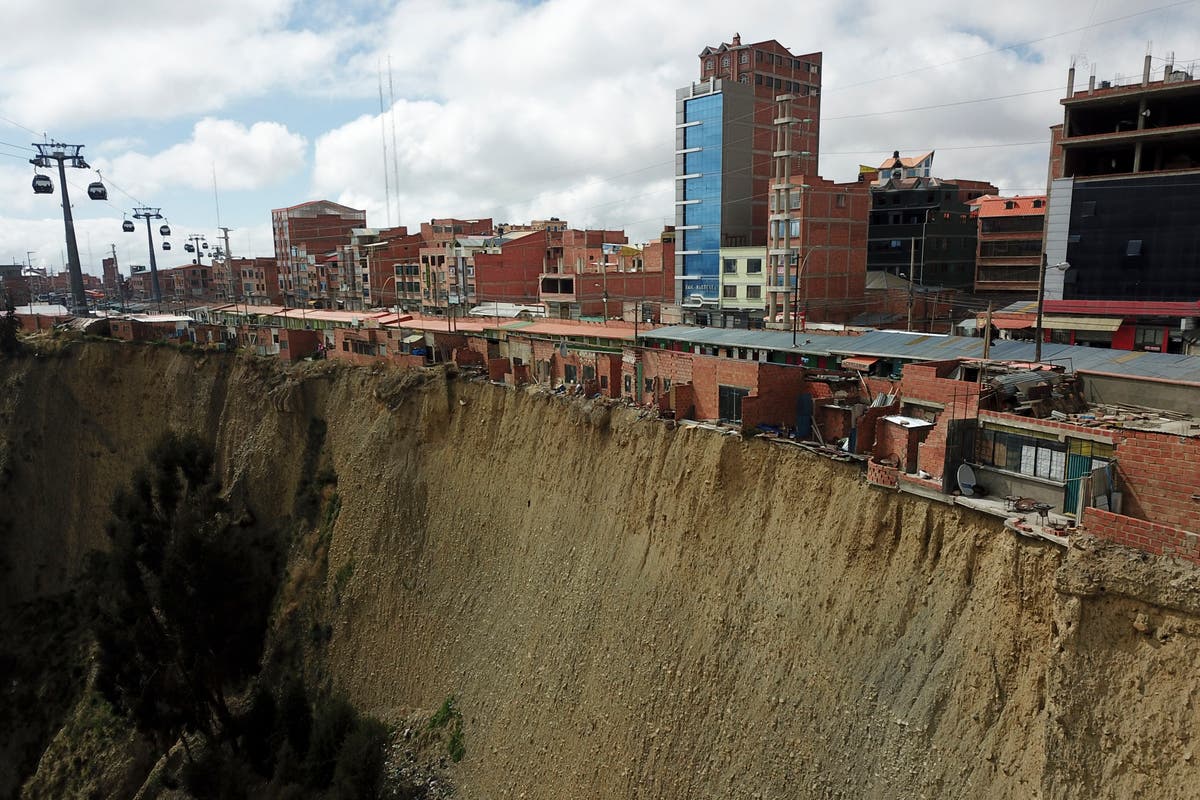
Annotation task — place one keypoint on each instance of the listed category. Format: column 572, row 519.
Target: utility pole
column 149, row 214
column 229, row 282
column 57, row 152
column 912, row 260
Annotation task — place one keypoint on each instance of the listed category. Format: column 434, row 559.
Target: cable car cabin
column 96, row 191
column 189, row 248
column 164, row 230
column 42, row 184
column 166, row 245
column 205, row 245
column 127, row 226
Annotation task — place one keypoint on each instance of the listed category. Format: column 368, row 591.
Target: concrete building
column 743, row 286
column 1122, row 208
column 922, row 225
column 724, row 136
column 305, row 235
column 1009, row 250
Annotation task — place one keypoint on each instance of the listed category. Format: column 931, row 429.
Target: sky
column 218, row 112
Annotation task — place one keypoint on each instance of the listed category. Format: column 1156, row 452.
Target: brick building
column 256, row 280
column 304, row 235
column 922, row 224
column 1009, row 242
column 817, row 249
column 724, row 144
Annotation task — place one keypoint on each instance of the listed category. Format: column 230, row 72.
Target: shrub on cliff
column 183, row 596
column 9, row 343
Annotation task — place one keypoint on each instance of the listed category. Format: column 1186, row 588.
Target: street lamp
column 796, row 289
column 1041, row 301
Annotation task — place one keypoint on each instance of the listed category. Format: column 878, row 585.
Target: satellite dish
column 966, row 481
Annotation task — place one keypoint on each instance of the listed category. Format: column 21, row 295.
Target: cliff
column 624, row 609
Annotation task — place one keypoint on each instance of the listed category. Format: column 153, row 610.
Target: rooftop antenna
column 216, row 198
column 387, row 186
column 395, row 150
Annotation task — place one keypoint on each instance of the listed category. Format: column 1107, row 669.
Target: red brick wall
column 498, row 368
column 38, row 322
column 868, row 425
column 1142, row 535
column 511, row 276
column 774, row 400
column 881, row 475
column 297, row 344
column 892, row 440
column 468, row 357
column 1158, row 474
column 961, row 401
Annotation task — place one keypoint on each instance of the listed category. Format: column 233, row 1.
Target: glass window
column 729, row 292
column 753, row 265
column 754, row 292
column 744, row 58
column 794, row 227
column 724, row 61
column 730, row 265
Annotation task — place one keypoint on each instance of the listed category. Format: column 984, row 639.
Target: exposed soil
column 626, row 610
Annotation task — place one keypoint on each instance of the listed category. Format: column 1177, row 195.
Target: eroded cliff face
column 623, row 609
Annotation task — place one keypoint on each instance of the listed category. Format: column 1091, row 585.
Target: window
column 569, row 373
column 1087, row 209
column 743, row 78
column 730, row 265
column 648, row 386
column 757, row 79
column 841, row 201
column 589, row 372
column 729, row 292
column 628, row 384
column 1148, row 339
column 753, row 292
column 744, row 58
column 753, row 265
column 724, row 61
column 1133, row 248
column 1025, row 452
column 603, row 381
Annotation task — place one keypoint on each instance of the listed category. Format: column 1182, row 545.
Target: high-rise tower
column 724, row 147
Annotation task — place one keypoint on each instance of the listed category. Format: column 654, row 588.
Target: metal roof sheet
column 938, row 347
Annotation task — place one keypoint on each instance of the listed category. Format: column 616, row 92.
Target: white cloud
column 127, row 60
column 520, row 110
column 244, row 158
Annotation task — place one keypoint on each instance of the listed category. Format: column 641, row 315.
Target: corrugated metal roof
column 781, row 341
column 938, row 347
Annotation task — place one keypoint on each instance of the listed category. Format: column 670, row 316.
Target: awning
column 1013, row 324
column 413, row 337
column 858, row 363
column 1108, row 324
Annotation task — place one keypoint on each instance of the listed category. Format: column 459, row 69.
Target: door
column 1077, row 467
column 729, row 403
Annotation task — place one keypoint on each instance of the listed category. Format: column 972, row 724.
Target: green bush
column 360, row 761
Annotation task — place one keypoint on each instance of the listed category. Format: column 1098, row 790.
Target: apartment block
column 306, row 235
column 1008, row 254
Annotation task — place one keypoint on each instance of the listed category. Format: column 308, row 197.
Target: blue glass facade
column 701, row 270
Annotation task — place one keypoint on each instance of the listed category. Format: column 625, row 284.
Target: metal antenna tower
column 149, row 214
column 66, row 155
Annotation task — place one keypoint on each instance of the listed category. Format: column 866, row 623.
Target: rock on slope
column 626, row 610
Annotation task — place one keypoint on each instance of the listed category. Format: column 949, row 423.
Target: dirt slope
column 624, row 610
